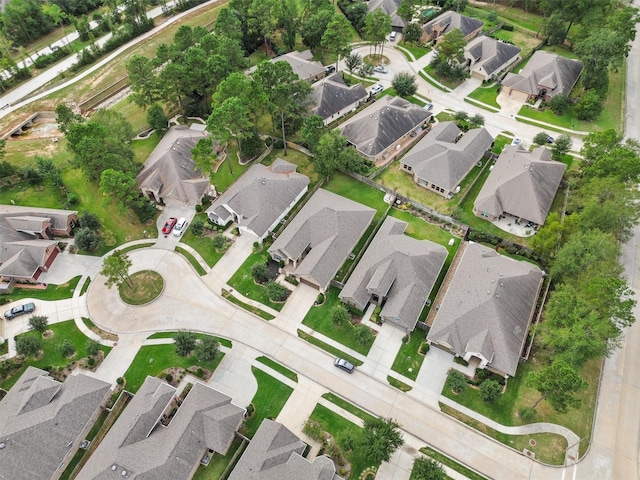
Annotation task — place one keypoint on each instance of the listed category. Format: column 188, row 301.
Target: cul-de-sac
column 319, row 239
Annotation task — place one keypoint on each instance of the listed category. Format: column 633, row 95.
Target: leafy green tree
column 561, row 146
column 90, row 221
column 49, row 171
column 377, row 26
column 552, row 235
column 67, row 349
column 228, row 24
column 476, row 121
column 583, row 250
column 314, row 26
column 93, row 348
column 207, row 349
column 24, row 20
column 312, row 130
column 405, row 84
column 339, row 315
column 427, row 469
column 262, row 19
column 541, row 138
column 203, row 156
column 407, row 9
column 260, row 273
column 143, row 81
column 230, row 120
column 558, row 383
column 197, row 227
column 605, row 155
column 276, row 292
column 28, row 345
column 116, row 268
column 66, row 117
column 157, row 120
column 219, row 242
column 86, row 239
column 185, row 343
column 353, row 61
column 559, row 103
column 461, row 116
column 39, row 323
column 490, row 391
column 288, row 22
column 451, row 47
column 412, row 33
column 336, row 37
column 381, row 437
column 456, row 381
column 119, row 187
column 554, row 29
column 363, row 335
column 589, row 106
column 328, row 153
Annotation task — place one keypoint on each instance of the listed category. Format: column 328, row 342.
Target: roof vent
column 114, row 468
column 2, row 445
column 124, row 473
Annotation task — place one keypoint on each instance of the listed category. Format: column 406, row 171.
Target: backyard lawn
column 351, row 188
column 305, row 166
column 51, row 357
column 143, row 148
column 319, row 319
column 268, row 400
column 153, row 359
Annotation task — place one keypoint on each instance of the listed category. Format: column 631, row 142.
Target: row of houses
column 157, row 436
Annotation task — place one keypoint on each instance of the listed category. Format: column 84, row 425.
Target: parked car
column 180, row 227
column 428, row 106
column 19, row 310
column 380, row 69
column 344, row 365
column 550, row 139
column 376, row 89
column 169, row 224
column 516, row 141
column 392, row 36
column 329, row 69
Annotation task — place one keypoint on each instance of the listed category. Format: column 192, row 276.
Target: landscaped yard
column 449, row 83
column 192, row 260
column 349, row 407
column 351, row 188
column 52, row 292
column 408, row 359
column 486, row 94
column 222, row 341
column 417, row 51
column 330, row 349
column 204, row 244
column 268, row 400
column 51, row 357
column 319, row 319
column 224, row 177
column 143, row 148
column 153, row 359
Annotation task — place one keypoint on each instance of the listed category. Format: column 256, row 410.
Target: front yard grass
column 51, row 357
column 328, row 348
column 249, row 308
column 192, row 260
column 52, row 292
column 278, row 368
column 447, row 82
column 339, row 427
column 409, row 359
column 319, row 319
column 451, row 463
column 486, row 94
column 204, row 244
column 271, row 396
column 222, row 341
column 349, row 407
column 153, row 359
column 351, row 188
column 243, row 281
column 418, row 51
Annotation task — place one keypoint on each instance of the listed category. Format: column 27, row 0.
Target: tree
column 207, row 349
column 230, row 119
column 490, row 391
column 67, row 349
column 589, row 106
column 339, row 315
column 584, row 250
column 143, row 81
column 552, row 235
column 66, row 117
column 554, row 29
column 412, row 33
column 288, row 22
column 116, row 268
column 541, row 138
column 197, row 227
column 353, row 61
column 28, row 345
column 24, row 21
column 312, row 130
column 456, row 381
column 407, row 10
column 55, row 13
column 157, row 120
column 427, row 469
column 377, row 26
column 92, row 347
column 260, row 273
column 329, row 153
column 86, row 239
column 381, row 437
column 219, row 242
column 120, row 187
column 363, row 334
column 185, row 343
column 229, row 25
column 276, row 292
column 559, row 103
column 90, row 220
column 336, row 37
column 558, row 383
column 313, row 27
column 476, row 121
column 39, row 323
column 561, row 146
column 405, row 84
column 451, row 47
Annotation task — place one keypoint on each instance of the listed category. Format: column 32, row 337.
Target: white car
column 380, row 69
column 376, row 89
column 516, row 141
column 180, row 227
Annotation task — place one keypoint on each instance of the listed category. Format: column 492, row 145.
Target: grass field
column 143, row 148
column 268, row 400
column 328, row 348
column 51, row 357
column 153, row 359
column 192, row 260
column 203, row 245
column 349, row 407
column 417, row 51
column 145, row 287
column 243, row 282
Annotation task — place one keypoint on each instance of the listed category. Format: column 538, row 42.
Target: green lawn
column 45, row 196
column 423, row 230
column 417, row 51
column 225, row 177
column 243, row 282
column 351, row 188
column 486, row 94
column 304, row 163
column 52, row 292
column 153, row 359
column 143, row 148
column 192, row 260
column 222, row 341
column 203, row 245
column 409, row 360
column 249, row 308
column 328, row 348
column 349, row 407
column 137, row 116
column 278, row 368
column 432, row 82
column 319, row 319
column 51, row 357
column 447, row 82
column 218, row 463
column 392, row 92
column 268, row 400
column 339, row 427
column 451, row 463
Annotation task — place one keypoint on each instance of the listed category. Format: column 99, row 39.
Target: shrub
column 86, row 239
column 314, row 430
column 339, row 315
column 207, row 349
column 28, row 345
column 456, row 381
column 119, row 380
column 527, row 413
column 199, row 209
column 461, row 361
column 291, row 279
column 197, row 227
column 93, row 348
column 169, row 378
column 507, row 27
column 219, row 242
column 490, row 391
column 363, row 335
column 91, row 362
column 276, row 292
column 424, row 348
column 67, row 349
column 260, row 273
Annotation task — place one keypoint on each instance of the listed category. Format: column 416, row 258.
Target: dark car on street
column 19, row 310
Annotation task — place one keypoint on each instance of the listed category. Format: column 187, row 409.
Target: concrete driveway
column 508, row 104
column 69, row 265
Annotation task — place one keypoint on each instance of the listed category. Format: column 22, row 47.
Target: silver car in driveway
column 344, row 365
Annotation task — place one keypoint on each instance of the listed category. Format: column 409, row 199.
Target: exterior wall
column 473, row 34
column 516, row 93
column 486, row 216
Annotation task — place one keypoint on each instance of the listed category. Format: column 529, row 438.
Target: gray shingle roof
column 381, row 124
column 487, row 307
column 450, row 20
column 521, row 183
column 145, row 449
column 170, row 171
column 390, row 7
column 261, row 195
column 437, row 158
column 22, row 258
column 331, row 226
column 398, row 267
column 546, row 70
column 58, row 218
column 490, row 54
column 275, row 453
column 302, row 64
column 39, row 417
column 331, row 95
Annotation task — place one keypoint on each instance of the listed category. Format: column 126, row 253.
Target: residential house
column 380, row 131
column 397, row 272
column 390, row 7
column 302, row 64
column 156, row 438
column 522, row 184
column 487, row 57
column 487, row 309
column 43, row 422
column 275, row 453
column 444, row 157
column 321, row 237
column 170, row 176
column 333, row 98
column 260, row 198
column 27, row 240
column 544, row 76
column 448, row 21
